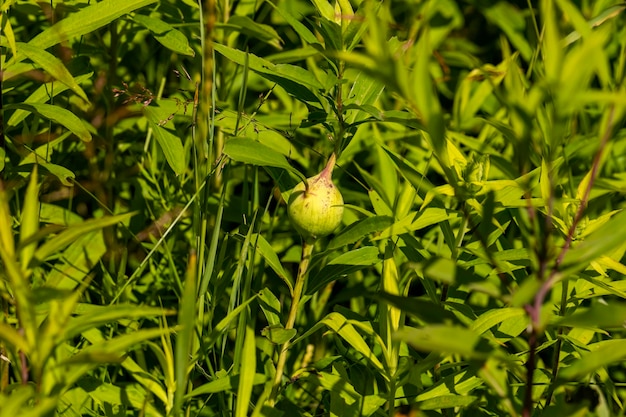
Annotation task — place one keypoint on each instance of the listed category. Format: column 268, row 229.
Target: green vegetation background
column 147, row 262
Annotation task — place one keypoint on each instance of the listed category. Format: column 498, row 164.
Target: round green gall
column 316, row 208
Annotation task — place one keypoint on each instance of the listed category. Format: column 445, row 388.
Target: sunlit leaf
column 59, row 115
column 60, row 241
column 601, row 354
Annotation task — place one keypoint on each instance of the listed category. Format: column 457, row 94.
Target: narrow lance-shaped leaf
column 445, row 339
column 247, row 372
column 11, row 338
column 598, row 316
column 267, row 252
column 86, row 21
column 340, row 325
column 298, row 81
column 57, row 114
column 30, row 219
column 53, row 66
column 59, row 242
column 42, row 95
column 6, row 224
column 602, row 354
column 184, row 339
column 249, row 151
column 344, row 264
column 90, row 316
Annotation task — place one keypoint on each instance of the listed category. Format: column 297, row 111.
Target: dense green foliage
column 147, row 263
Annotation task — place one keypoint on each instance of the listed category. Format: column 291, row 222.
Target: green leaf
column 604, row 16
column 41, row 95
column 447, row 401
column 64, row 175
column 248, row 367
column 346, row 330
column 115, row 348
column 151, row 382
column 445, row 339
column 495, row 316
column 185, row 336
column 360, row 230
column 325, row 9
column 53, row 65
column 270, row 256
column 86, row 21
column 249, row 151
column 277, row 334
column 13, row 339
column 88, row 316
column 30, row 219
column 77, row 260
column 6, row 225
column 223, row 324
column 172, row 148
column 441, row 269
column 166, row 35
column 512, row 21
column 460, row 383
column 343, row 265
column 351, row 402
column 304, row 33
column 425, row 310
column 271, row 307
column 57, row 114
column 299, row 82
column 598, row 316
column 56, row 244
column 606, row 238
column 552, row 48
column 416, row 221
column 249, row 27
column 602, row 354
column 224, row 384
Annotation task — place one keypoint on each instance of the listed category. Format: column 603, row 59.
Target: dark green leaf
column 59, row 115
column 359, row 230
column 172, row 148
column 249, row 151
column 445, row 339
column 343, row 265
column 171, row 38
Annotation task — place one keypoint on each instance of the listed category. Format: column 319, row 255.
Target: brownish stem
column 534, row 310
column 307, row 250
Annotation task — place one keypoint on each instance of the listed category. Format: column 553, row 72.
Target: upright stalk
column 554, row 276
column 307, row 250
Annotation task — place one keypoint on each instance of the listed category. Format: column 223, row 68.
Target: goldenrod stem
column 307, row 250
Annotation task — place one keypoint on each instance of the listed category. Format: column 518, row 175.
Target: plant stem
column 307, row 250
column 534, row 310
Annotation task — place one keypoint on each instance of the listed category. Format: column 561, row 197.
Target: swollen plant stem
column 307, row 250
